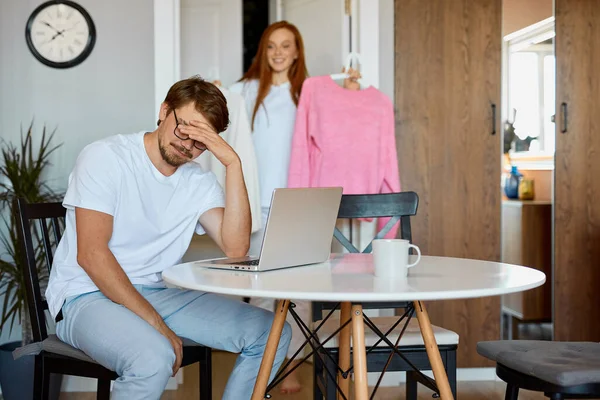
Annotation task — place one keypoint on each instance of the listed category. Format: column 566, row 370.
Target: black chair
column 52, row 356
column 400, row 207
column 561, row 370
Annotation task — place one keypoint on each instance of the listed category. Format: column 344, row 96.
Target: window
column 528, row 86
column 531, row 93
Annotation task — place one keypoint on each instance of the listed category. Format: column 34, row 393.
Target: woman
column 271, row 88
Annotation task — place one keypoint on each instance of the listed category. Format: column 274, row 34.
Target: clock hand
column 54, row 37
column 58, row 33
column 73, row 27
column 47, row 24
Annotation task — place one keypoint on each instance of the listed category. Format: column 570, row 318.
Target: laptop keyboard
column 250, row 262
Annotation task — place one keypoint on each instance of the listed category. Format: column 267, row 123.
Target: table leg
column 344, row 359
column 266, row 364
column 433, row 352
column 359, row 354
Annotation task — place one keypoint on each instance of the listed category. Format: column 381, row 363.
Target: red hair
column 261, row 70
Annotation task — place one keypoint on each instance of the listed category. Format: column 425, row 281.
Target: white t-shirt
column 272, row 134
column 154, row 216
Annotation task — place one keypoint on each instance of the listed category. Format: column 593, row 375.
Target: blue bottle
column 511, row 184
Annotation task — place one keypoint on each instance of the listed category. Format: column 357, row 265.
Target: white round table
column 348, row 278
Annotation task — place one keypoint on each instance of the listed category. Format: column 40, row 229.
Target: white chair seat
column 412, row 336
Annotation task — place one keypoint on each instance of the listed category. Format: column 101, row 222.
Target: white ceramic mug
column 390, row 257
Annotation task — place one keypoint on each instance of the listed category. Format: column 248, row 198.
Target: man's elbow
column 83, row 258
column 237, row 253
column 87, row 256
column 240, row 250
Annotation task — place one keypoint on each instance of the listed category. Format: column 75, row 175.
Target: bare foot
column 291, row 384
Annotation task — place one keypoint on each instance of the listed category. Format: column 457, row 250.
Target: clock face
column 60, row 34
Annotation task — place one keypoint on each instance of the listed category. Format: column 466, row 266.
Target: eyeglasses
column 183, row 136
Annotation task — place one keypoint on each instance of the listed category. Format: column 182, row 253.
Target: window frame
column 528, row 38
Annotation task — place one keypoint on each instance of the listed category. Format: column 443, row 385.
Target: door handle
column 493, row 119
column 563, row 110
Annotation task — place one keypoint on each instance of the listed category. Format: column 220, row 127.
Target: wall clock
column 60, row 33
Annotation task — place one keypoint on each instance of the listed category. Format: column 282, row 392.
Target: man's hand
column 205, row 134
column 176, row 342
column 94, row 230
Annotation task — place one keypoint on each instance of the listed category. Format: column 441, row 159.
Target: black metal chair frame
column 517, row 380
column 47, row 363
column 412, row 359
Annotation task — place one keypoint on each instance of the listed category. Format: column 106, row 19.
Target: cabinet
column 447, row 84
column 527, row 240
column 447, row 90
column 577, row 184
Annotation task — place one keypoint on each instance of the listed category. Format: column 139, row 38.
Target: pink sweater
column 344, row 138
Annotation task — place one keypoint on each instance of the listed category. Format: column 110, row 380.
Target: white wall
column 166, row 48
column 111, row 92
column 327, row 46
column 211, row 39
column 321, row 24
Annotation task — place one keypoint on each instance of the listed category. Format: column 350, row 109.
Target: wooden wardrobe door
column 447, row 85
column 577, row 181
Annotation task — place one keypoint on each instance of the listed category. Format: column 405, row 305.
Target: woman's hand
column 352, row 81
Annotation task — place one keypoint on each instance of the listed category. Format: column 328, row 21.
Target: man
column 133, row 204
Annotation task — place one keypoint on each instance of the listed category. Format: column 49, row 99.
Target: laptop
column 299, row 231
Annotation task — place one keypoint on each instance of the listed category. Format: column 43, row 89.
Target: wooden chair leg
column 512, row 392
column 433, row 352
column 344, row 351
column 206, row 377
column 270, row 350
column 411, row 385
column 359, row 354
column 103, row 392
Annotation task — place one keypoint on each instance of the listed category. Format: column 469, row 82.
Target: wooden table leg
column 266, row 364
column 359, row 354
column 344, row 350
column 433, row 352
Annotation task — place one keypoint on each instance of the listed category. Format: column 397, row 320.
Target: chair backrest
column 45, row 240
column 398, row 206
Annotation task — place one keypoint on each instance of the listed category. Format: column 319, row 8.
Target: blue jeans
column 143, row 358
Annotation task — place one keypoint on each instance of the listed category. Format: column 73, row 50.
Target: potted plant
column 22, row 173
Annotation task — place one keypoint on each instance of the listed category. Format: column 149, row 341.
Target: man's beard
column 173, row 159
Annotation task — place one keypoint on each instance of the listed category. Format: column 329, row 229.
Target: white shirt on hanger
column 272, row 135
column 239, row 137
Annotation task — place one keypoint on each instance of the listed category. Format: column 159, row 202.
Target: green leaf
column 21, row 176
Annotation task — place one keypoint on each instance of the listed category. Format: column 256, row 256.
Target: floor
column 223, row 363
